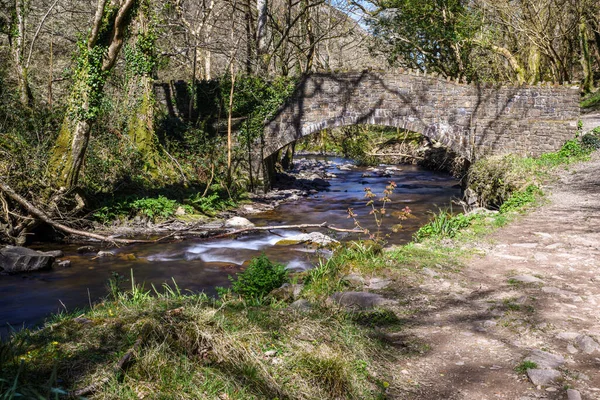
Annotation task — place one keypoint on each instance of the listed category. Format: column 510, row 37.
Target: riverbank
column 448, row 318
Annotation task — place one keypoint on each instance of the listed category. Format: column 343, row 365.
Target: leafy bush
column 211, row 204
column 521, row 198
column 155, row 207
column 260, row 278
column 591, row 140
column 444, row 225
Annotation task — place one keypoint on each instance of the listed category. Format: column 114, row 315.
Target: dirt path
column 480, row 323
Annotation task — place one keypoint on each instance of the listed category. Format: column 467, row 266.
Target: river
column 201, row 265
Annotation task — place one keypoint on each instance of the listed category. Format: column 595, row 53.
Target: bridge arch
column 472, row 120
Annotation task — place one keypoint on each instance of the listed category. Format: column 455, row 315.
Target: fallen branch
column 272, row 227
column 45, row 218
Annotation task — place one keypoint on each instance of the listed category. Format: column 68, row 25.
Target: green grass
column 194, row 347
column 524, row 366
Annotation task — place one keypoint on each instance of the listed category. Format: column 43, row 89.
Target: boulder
column 238, row 223
column 14, row 259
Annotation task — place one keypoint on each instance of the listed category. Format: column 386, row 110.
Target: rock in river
column 15, row 259
column 238, row 223
column 316, row 238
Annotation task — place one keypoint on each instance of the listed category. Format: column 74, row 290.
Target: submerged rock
column 14, row 259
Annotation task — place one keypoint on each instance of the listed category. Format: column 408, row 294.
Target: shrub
column 155, row 207
column 260, row 278
column 591, row 140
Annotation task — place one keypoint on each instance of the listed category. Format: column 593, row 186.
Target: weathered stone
column 526, row 279
column 53, row 253
column 359, row 300
column 287, row 292
column 105, row 253
column 587, row 344
column 544, row 360
column 87, row 249
column 301, row 305
column 64, row 263
column 378, row 283
column 354, row 280
column 316, row 238
column 238, row 223
column 428, row 272
column 567, row 335
column 573, row 394
column 14, row 259
column 543, row 377
column 180, row 211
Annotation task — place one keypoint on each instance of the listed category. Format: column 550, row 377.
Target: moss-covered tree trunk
column 587, row 84
column 96, row 59
column 140, row 58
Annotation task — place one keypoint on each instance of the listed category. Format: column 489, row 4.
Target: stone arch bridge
column 471, row 119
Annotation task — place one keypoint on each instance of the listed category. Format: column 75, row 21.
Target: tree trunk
column 25, row 95
column 587, row 83
column 95, row 62
column 261, row 35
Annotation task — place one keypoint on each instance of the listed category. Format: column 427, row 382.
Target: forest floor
column 535, row 294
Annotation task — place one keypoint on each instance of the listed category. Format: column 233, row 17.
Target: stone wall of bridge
column 473, row 120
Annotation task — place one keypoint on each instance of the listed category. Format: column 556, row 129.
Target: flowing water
column 202, row 265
